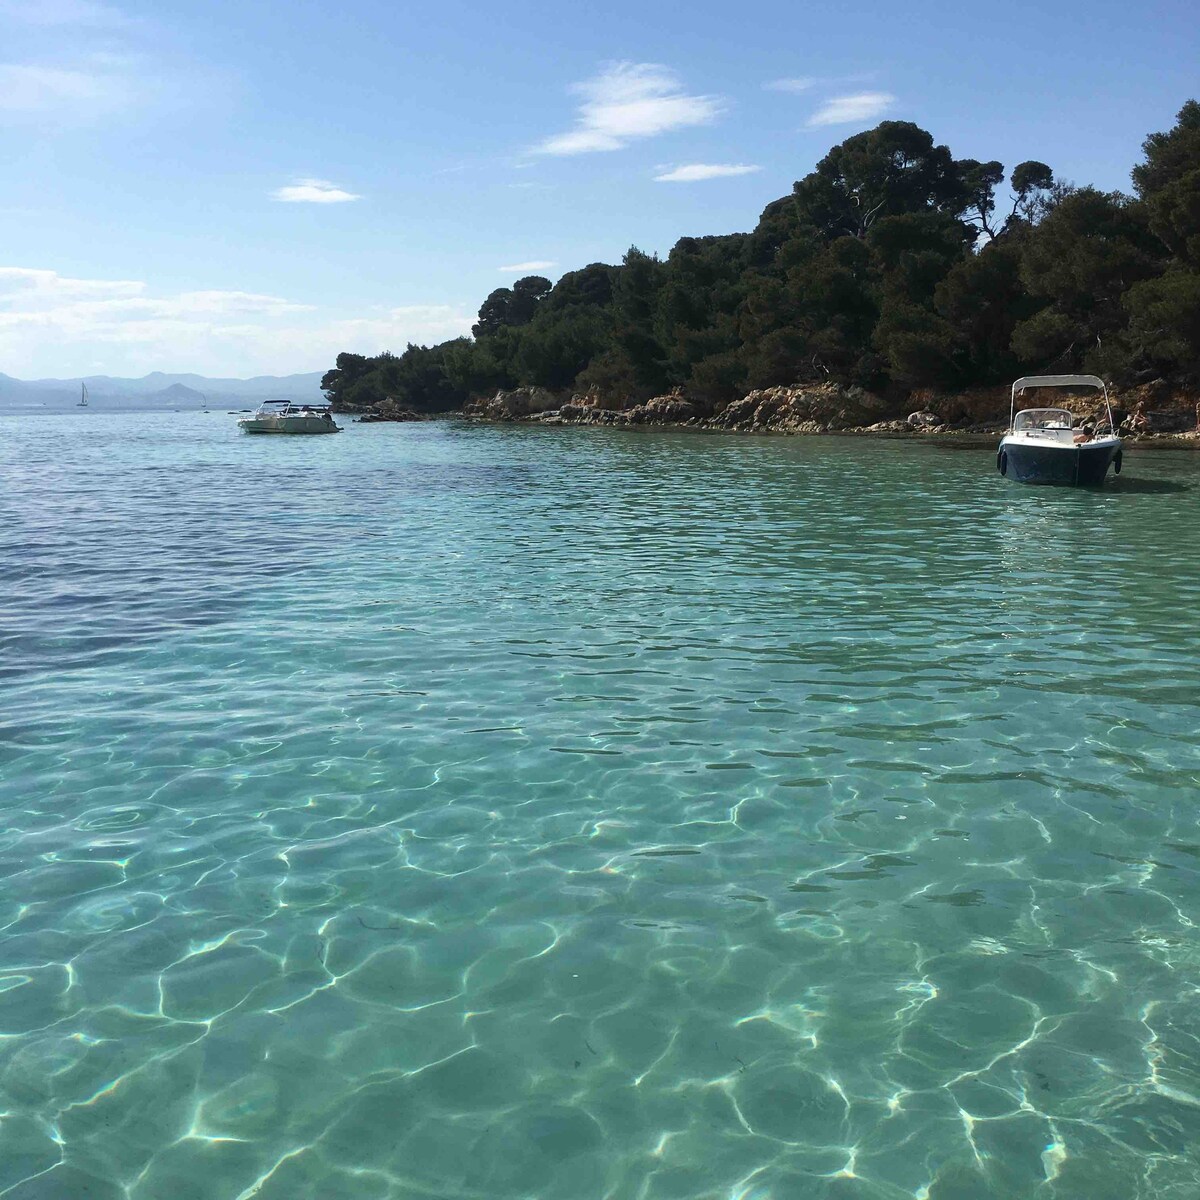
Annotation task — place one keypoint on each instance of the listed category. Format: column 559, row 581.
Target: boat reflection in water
column 285, row 416
column 1043, row 445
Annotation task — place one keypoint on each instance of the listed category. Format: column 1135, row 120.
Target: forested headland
column 892, row 267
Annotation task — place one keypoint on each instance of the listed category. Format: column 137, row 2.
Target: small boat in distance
column 286, row 416
column 82, row 396
column 1043, row 445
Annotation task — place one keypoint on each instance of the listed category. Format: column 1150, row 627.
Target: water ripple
column 466, row 812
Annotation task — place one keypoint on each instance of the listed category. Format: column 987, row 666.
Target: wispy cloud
column 40, row 296
column 694, row 172
column 390, row 329
column 313, row 191
column 536, row 265
column 78, row 63
column 807, row 83
column 803, row 84
column 22, row 286
column 59, row 91
column 847, row 110
column 130, row 328
column 627, row 101
column 61, row 12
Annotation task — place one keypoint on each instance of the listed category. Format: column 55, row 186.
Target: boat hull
column 291, row 424
column 1065, row 465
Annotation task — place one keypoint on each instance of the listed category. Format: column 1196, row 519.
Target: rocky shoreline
column 1151, row 412
column 388, row 411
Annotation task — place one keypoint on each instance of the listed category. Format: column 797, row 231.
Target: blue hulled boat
column 1043, row 445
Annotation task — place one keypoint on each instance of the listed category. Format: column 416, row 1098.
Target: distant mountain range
column 160, row 390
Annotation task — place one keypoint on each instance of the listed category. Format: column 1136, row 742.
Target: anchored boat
column 285, row 416
column 1043, row 445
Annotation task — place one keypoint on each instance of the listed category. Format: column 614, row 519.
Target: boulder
column 514, row 404
column 575, row 413
column 390, row 409
column 977, row 406
column 395, row 414
column 923, row 420
column 803, row 409
column 673, row 409
column 594, row 398
column 1171, row 420
column 737, row 413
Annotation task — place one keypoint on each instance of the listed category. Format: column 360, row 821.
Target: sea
column 445, row 810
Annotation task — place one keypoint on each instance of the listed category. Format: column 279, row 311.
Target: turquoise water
column 451, row 811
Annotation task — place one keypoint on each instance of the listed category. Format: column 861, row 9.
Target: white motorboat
column 1043, row 445
column 286, row 416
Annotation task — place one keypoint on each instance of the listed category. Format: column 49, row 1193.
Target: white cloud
column 313, row 191
column 221, row 303
column 56, row 69
column 536, row 265
column 80, row 63
column 25, row 285
column 424, row 324
column 117, row 309
column 847, row 110
column 791, row 85
column 61, row 12
column 33, row 89
column 693, row 172
column 627, row 101
column 54, row 325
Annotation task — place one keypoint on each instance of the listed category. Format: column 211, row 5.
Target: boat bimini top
column 1044, row 418
column 290, row 408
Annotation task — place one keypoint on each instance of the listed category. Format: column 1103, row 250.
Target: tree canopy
column 892, row 265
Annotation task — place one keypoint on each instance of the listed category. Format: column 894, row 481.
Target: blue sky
column 246, row 188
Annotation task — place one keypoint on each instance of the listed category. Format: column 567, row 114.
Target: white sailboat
column 82, row 396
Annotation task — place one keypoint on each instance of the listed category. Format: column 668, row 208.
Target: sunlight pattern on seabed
column 450, row 811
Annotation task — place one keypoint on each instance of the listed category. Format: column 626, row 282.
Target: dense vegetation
column 892, row 266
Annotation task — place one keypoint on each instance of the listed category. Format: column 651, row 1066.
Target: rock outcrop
column 391, row 413
column 389, row 409
column 924, row 420
column 803, row 409
column 513, row 405
column 594, row 398
column 672, row 409
column 828, row 408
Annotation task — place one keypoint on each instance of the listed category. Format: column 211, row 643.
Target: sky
column 249, row 188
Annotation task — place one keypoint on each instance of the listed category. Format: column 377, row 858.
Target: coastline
column 831, row 409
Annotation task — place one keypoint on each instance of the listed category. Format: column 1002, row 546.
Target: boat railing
column 290, row 408
column 1029, row 382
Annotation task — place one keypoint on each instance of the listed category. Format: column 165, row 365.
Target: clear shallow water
column 446, row 811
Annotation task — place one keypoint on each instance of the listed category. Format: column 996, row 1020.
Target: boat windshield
column 290, row 408
column 1042, row 418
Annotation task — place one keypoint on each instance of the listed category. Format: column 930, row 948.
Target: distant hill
column 159, row 389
